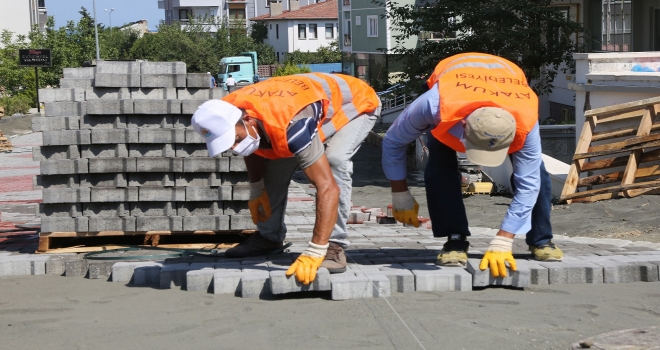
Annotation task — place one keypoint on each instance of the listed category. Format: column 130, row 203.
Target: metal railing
column 395, row 97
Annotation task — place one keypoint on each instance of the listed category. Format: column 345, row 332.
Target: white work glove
column 405, row 208
column 308, row 263
column 259, row 202
column 499, row 251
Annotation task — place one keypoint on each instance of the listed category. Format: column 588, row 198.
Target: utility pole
column 110, row 16
column 96, row 34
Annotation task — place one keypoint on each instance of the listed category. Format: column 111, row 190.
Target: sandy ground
column 16, row 125
column 38, row 312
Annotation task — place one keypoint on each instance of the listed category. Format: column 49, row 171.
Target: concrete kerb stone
column 281, row 284
column 198, row 80
column 61, row 95
column 573, row 272
column 433, row 278
column 354, row 284
column 520, row 278
column 254, row 283
column 137, row 273
column 22, row 265
column 109, row 107
column 65, row 109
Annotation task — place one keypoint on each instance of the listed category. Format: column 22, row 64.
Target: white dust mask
column 248, row 145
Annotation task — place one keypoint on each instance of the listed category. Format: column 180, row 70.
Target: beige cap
column 488, row 133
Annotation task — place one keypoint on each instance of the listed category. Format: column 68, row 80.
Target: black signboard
column 35, row 58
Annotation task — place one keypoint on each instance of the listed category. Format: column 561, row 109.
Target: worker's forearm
column 399, row 185
column 327, row 202
column 255, row 167
column 505, row 234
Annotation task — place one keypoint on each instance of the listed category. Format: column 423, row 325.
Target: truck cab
column 242, row 68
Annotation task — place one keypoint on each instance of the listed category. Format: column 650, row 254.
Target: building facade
column 19, row 16
column 238, row 11
column 305, row 28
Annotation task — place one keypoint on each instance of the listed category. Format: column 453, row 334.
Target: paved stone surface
column 383, row 258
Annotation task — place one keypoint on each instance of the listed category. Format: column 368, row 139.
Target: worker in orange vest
column 481, row 105
column 313, row 121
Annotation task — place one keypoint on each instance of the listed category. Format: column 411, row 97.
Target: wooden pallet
column 617, row 148
column 5, row 144
column 148, row 238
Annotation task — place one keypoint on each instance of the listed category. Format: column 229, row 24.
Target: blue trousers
column 445, row 198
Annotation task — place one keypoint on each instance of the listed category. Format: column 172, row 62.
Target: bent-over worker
column 479, row 104
column 313, row 121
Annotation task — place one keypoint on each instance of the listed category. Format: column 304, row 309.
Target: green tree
column 259, row 32
column 290, row 69
column 17, row 84
column 324, row 54
column 530, row 33
column 199, row 47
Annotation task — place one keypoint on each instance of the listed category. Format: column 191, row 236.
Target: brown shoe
column 335, row 259
column 255, row 245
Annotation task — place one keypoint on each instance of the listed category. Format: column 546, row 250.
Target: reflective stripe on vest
column 348, row 108
column 482, row 80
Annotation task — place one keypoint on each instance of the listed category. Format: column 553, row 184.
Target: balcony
column 347, row 2
column 347, row 40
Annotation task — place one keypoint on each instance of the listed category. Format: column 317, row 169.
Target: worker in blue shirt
column 481, row 105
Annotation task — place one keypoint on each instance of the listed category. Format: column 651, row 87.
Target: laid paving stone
column 434, row 278
column 76, row 268
column 202, row 280
column 22, row 265
column 175, row 275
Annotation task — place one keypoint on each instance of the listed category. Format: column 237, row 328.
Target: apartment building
column 233, row 10
column 305, row 28
column 19, row 16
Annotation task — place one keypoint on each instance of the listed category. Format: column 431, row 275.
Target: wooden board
column 636, row 153
column 85, row 249
column 150, row 238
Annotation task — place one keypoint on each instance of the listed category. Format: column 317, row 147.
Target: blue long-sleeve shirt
column 423, row 115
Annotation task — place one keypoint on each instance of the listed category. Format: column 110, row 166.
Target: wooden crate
column 624, row 136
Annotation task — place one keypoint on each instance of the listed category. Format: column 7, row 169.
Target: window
column 312, row 31
column 347, row 2
column 302, row 31
column 358, row 20
column 270, row 26
column 236, row 13
column 277, row 31
column 234, row 68
column 372, row 30
column 616, row 24
column 329, row 31
column 184, row 14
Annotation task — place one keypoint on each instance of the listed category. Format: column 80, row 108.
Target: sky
column 125, row 11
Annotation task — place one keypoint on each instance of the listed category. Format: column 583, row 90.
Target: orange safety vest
column 276, row 101
column 473, row 80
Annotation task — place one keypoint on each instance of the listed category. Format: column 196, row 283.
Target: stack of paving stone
column 119, row 154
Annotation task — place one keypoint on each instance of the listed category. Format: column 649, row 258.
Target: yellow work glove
column 259, row 202
column 499, row 252
column 405, row 208
column 308, row 263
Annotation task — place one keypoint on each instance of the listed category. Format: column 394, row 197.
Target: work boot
column 546, row 252
column 255, row 245
column 454, row 252
column 335, row 259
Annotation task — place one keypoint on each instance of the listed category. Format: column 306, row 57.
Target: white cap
column 215, row 121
